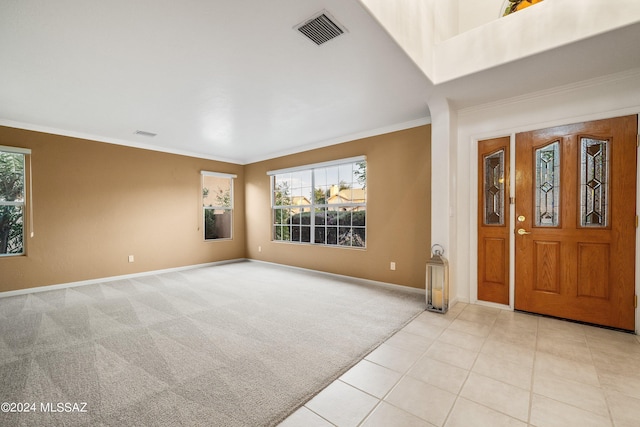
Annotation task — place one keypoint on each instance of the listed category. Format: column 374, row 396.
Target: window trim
column 27, row 204
column 312, row 205
column 203, row 208
column 218, row 174
column 318, row 165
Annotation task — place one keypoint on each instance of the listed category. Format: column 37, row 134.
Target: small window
column 323, row 204
column 217, row 205
column 12, row 201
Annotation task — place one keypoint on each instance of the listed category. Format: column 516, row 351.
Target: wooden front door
column 575, row 221
column 493, row 220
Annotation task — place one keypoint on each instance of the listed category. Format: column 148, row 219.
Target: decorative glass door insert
column 494, row 188
column 547, row 189
column 594, row 182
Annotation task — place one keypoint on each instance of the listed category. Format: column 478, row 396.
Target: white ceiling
column 233, row 80
column 230, row 80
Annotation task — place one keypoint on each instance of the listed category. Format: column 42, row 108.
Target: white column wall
column 443, row 182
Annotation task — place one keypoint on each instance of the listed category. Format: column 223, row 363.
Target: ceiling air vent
column 145, row 133
column 321, row 28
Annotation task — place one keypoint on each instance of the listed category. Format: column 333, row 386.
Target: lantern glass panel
column 437, row 285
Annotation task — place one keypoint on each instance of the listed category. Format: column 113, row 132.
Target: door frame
column 474, row 196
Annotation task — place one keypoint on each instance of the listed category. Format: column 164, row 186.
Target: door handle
column 522, row 231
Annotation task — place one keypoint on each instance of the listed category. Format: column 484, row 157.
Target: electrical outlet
column 259, row 248
column 392, row 266
column 130, row 258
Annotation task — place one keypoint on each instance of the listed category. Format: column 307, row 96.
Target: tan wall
column 398, row 210
column 97, row 203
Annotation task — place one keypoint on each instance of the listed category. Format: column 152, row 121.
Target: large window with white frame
column 12, row 200
column 217, row 205
column 323, row 203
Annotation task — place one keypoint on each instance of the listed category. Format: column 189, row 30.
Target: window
column 217, row 205
column 12, row 200
column 324, row 204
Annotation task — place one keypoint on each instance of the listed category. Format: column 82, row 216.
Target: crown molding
column 108, row 140
column 346, row 138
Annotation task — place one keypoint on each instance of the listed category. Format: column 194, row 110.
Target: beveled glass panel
column 494, row 188
column 594, row 182
column 547, row 187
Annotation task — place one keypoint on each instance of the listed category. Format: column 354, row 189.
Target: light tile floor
column 480, row 366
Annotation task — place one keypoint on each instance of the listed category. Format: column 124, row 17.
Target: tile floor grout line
column 497, row 380
column 314, row 412
column 533, row 373
column 368, row 415
column 541, row 331
column 599, row 386
column 604, row 394
column 406, row 374
column 403, row 375
column 576, row 382
column 458, row 396
column 469, row 371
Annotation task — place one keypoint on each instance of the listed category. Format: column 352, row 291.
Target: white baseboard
column 341, row 276
column 113, row 278
column 454, row 301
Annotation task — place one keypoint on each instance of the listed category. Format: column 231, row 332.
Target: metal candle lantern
column 437, row 281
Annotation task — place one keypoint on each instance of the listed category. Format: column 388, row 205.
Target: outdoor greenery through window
column 217, row 204
column 12, row 202
column 321, row 204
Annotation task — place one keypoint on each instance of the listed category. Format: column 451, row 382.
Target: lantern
column 437, row 281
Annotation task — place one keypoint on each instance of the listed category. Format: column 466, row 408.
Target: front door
column 575, row 221
column 493, row 220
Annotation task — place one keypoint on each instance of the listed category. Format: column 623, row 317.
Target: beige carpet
column 240, row 344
